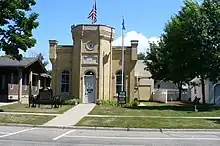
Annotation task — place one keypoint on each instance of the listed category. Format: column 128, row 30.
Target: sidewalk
column 7, row 103
column 162, row 117
column 72, row 116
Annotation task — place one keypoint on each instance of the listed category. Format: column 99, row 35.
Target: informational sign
column 122, row 97
column 90, row 59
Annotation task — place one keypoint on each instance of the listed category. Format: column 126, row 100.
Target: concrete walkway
column 162, row 117
column 7, row 103
column 72, row 116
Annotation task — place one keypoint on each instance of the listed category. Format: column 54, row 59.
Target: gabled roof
column 5, row 61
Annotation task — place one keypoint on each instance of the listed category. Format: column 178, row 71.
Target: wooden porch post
column 54, row 78
column 20, row 85
column 45, row 82
column 30, row 83
column 38, row 82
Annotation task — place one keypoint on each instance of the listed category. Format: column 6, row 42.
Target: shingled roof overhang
column 6, row 62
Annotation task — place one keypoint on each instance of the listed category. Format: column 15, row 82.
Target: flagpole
column 122, row 57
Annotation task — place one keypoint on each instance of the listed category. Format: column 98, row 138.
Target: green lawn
column 25, row 119
column 157, row 109
column 26, row 109
column 150, row 123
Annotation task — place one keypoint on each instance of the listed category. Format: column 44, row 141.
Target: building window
column 65, row 85
column 118, row 82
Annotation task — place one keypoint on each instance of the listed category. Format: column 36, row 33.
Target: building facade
column 90, row 68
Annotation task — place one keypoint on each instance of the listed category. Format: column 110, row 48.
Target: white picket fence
column 165, row 95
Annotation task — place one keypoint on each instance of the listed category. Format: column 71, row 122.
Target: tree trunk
column 203, row 89
column 180, row 91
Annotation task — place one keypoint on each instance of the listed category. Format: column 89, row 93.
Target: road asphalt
column 20, row 136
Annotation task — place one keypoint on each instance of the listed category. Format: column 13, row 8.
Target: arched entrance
column 89, row 87
column 217, row 94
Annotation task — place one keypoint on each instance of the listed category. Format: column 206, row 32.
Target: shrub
column 107, row 102
column 71, row 102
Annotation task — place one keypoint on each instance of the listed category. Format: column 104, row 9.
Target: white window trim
column 12, row 80
column 61, row 83
column 120, row 83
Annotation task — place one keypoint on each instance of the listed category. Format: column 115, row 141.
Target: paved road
column 11, row 136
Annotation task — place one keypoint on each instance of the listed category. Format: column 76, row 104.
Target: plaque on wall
column 90, row 59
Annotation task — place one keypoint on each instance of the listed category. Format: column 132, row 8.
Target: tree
column 180, row 54
column 192, row 42
column 175, row 57
column 156, row 64
column 201, row 23
column 141, row 56
column 41, row 58
column 49, row 72
column 165, row 64
column 16, row 26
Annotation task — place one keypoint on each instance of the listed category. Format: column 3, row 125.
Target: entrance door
column 89, row 87
column 217, row 94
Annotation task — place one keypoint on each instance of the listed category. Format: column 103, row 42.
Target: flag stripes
column 93, row 14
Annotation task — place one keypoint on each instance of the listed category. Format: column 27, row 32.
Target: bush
column 107, row 102
column 71, row 102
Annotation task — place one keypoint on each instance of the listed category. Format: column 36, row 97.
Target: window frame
column 66, row 83
column 118, row 85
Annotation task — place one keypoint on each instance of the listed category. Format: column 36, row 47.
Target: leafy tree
column 202, row 31
column 181, row 56
column 16, row 26
column 49, row 72
column 141, row 56
column 191, row 45
column 176, row 58
column 155, row 62
column 41, row 58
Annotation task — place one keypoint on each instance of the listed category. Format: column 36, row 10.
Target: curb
column 112, row 128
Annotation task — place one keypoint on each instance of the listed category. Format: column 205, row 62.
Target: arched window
column 65, row 81
column 118, row 82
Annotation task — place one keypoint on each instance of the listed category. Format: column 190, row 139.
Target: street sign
column 122, row 97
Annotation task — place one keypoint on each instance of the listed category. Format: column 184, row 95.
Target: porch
column 21, row 79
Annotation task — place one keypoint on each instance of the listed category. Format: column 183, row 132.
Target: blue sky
column 144, row 19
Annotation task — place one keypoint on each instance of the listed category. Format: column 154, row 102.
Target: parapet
column 104, row 31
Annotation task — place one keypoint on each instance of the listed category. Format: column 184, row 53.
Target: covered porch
column 21, row 79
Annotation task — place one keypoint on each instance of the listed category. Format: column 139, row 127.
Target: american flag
column 93, row 14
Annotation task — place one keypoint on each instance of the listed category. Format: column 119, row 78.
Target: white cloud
column 133, row 35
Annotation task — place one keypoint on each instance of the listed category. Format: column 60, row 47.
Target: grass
column 158, row 109
column 150, row 123
column 25, row 119
column 24, row 108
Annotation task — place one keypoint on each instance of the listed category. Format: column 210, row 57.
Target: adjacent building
column 20, row 79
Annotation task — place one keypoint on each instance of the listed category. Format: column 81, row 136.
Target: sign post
column 122, row 97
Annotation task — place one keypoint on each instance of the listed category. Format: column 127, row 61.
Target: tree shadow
column 188, row 107
column 216, row 121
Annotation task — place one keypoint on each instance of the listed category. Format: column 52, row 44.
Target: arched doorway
column 217, row 94
column 89, row 87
